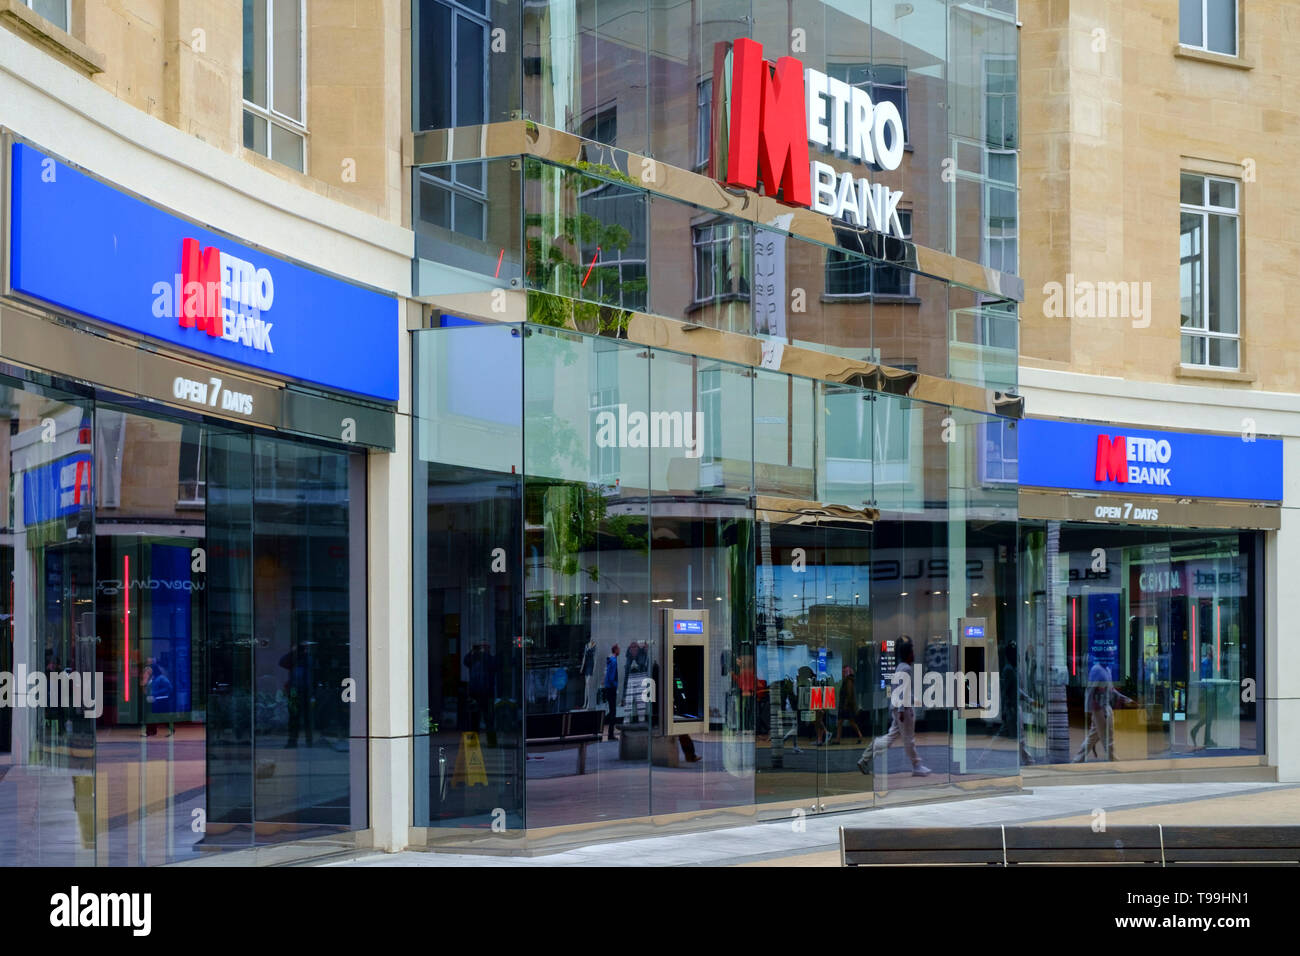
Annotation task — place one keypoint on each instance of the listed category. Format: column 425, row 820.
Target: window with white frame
column 721, row 259
column 1208, row 268
column 894, row 447
column 1208, row 25
column 1000, row 102
column 56, row 11
column 275, row 81
column 1001, row 231
column 1000, row 462
column 711, row 405
column 703, row 122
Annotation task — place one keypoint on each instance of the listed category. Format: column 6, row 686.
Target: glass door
column 813, row 654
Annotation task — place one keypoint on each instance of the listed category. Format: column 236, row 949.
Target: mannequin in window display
column 609, row 688
column 635, row 674
column 588, row 671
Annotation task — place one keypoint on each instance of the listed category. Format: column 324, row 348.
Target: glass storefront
column 649, row 582
column 639, row 76
column 605, row 238
column 185, row 666
column 1144, row 642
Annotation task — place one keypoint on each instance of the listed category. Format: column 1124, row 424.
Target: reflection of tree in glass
column 569, row 287
column 574, row 517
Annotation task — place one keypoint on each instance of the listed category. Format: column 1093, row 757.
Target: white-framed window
column 1000, row 101
column 56, row 11
column 703, row 122
column 275, row 80
column 895, row 448
column 1000, row 461
column 1208, row 270
column 1209, row 25
column 710, row 385
column 617, row 277
column 1001, row 231
column 721, row 254
column 614, row 276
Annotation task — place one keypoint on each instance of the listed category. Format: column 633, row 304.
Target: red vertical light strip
column 1217, row 665
column 1074, row 636
column 126, row 627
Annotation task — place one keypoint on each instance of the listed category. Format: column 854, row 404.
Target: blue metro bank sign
column 1111, row 458
column 82, row 245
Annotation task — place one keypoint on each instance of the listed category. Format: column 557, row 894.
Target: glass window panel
column 1193, row 350
column 1002, row 167
column 1223, row 194
column 1221, row 28
column 435, row 67
column 255, row 53
column 1191, row 270
column 1223, row 353
column 255, row 133
column 435, row 203
column 469, row 216
column 287, row 58
column 1189, row 22
column 1222, row 283
column 56, row 11
column 471, row 70
column 469, row 174
column 1191, row 189
column 287, row 147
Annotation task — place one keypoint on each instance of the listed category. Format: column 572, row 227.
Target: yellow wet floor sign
column 470, row 769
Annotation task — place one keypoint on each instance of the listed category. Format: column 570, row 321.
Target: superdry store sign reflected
column 1107, row 458
column 770, row 113
column 84, row 246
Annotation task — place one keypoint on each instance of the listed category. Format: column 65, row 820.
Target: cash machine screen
column 688, row 683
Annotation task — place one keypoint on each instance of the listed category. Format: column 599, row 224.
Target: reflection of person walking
column 611, row 687
column 848, row 706
column 1097, row 704
column 902, row 722
column 1209, row 703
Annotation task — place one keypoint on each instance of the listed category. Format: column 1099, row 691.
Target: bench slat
column 1127, row 844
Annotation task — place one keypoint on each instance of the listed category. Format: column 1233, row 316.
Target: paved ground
column 781, row 844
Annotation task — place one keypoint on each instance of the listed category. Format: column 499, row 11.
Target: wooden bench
column 559, row 731
column 1115, row 845
column 1245, row 844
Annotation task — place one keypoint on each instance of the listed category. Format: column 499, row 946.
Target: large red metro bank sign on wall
column 768, row 115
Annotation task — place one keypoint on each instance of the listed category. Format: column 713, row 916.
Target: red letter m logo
column 766, row 132
column 200, row 288
column 1112, row 459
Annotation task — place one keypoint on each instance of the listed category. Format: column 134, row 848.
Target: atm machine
column 683, row 698
column 976, row 655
